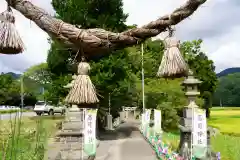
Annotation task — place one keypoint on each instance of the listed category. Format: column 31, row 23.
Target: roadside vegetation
column 26, row 138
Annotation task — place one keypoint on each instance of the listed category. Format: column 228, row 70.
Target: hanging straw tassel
column 83, row 91
column 10, row 40
column 173, row 64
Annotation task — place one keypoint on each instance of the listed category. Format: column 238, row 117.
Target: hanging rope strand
column 8, row 6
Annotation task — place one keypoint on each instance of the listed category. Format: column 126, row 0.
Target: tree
column 89, row 14
column 39, row 73
column 5, row 83
column 113, row 78
column 56, row 92
column 113, row 75
column 59, row 60
column 97, row 42
column 92, row 14
column 37, row 80
column 10, row 93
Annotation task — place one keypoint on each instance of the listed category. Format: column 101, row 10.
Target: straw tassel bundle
column 10, row 40
column 83, row 92
column 173, row 64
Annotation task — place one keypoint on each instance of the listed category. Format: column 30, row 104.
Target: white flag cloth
column 90, row 143
column 199, row 133
column 157, row 121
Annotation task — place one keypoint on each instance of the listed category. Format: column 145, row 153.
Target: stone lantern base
column 185, row 137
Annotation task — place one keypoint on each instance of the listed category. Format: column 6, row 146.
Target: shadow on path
column 124, row 130
column 124, row 143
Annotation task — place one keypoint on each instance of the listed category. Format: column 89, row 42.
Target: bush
column 169, row 97
column 137, row 117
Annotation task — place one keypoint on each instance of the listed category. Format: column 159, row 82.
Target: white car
column 4, row 108
column 42, row 107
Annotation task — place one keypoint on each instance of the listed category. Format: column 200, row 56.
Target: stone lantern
column 191, row 87
column 191, row 91
column 185, row 126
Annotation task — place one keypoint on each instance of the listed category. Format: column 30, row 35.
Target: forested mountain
column 228, row 71
column 228, row 91
column 13, row 75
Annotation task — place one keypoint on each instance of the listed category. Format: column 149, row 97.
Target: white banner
column 146, row 122
column 90, row 144
column 199, row 127
column 157, row 121
column 199, row 134
column 142, row 122
column 147, row 116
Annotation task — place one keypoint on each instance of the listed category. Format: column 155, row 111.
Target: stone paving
column 127, row 145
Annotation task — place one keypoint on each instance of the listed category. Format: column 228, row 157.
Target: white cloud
column 226, row 53
column 213, row 23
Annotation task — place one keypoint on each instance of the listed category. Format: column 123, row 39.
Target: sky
column 216, row 22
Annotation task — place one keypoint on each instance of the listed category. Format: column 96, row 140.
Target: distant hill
column 228, row 71
column 14, row 75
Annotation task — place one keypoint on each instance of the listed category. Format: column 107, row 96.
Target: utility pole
column 109, row 103
column 220, row 102
column 22, row 93
column 143, row 92
column 109, row 116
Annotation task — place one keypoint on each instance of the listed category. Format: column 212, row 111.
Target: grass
column 227, row 145
column 26, row 139
column 13, row 111
column 172, row 139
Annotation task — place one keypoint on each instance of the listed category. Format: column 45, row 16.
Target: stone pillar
column 122, row 116
column 123, row 108
column 126, row 114
column 109, row 122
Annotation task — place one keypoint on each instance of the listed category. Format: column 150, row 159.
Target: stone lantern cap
column 191, row 80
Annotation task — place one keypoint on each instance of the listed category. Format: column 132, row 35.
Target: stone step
column 69, row 150
column 72, row 125
column 66, row 148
